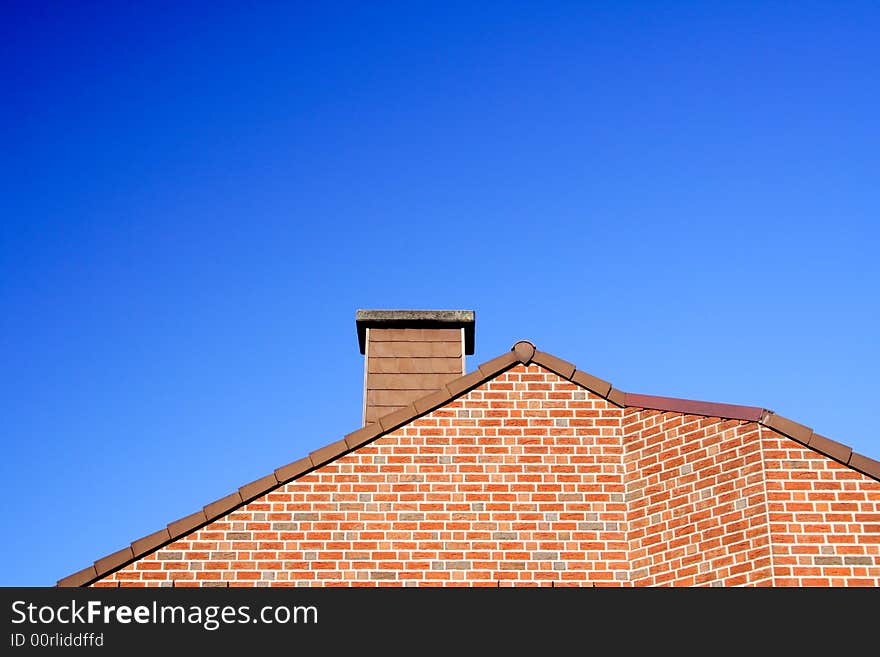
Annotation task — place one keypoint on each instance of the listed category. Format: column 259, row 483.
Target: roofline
column 522, row 353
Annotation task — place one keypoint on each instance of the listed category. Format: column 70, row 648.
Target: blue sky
column 679, row 197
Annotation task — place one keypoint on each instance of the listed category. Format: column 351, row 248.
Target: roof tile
column 616, row 396
column 397, row 418
column 259, row 487
column 113, row 561
column 693, row 407
column 292, row 470
column 561, row 367
column 865, row 465
column 180, row 527
column 363, row 435
column 149, row 543
column 328, row 452
column 79, row 578
column 591, row 383
column 524, row 351
column 464, row 383
column 790, row 428
column 432, row 401
column 830, row 448
column 222, row 506
column 499, row 364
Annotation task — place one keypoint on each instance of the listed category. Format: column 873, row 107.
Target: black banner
column 109, row 621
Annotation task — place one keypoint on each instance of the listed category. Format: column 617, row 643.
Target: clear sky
column 681, row 198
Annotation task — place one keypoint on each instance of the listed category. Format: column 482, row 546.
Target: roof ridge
column 523, row 352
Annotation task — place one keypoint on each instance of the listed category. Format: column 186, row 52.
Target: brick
column 530, row 480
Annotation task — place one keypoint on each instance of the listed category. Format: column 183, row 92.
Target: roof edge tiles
column 694, row 407
column 523, row 352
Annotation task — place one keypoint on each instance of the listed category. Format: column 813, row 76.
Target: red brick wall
column 697, row 506
column 824, row 517
column 530, row 480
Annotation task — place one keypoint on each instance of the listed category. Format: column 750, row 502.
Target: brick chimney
column 409, row 354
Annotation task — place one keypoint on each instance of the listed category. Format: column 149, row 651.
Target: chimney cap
column 416, row 319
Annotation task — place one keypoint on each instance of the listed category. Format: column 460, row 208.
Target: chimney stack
column 409, row 354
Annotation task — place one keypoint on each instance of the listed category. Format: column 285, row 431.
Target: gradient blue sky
column 681, row 198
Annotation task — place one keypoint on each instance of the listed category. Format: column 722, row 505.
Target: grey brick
column 238, row 536
column 858, row 561
column 411, row 516
column 305, row 516
column 170, row 556
column 545, row 556
column 561, row 422
column 477, row 506
column 284, row 526
column 381, row 574
column 223, row 556
column 559, row 565
column 828, row 561
column 310, row 556
column 504, row 536
column 458, row 565
column 740, row 504
column 444, row 459
column 591, row 526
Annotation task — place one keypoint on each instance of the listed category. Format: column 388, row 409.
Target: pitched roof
column 523, row 352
